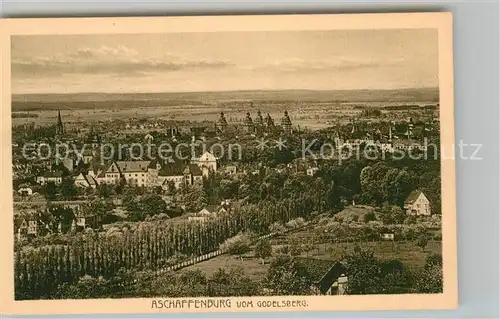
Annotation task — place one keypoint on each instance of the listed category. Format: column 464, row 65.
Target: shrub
column 276, row 227
column 422, row 241
column 263, row 249
column 237, row 245
column 435, row 259
column 410, row 220
column 430, row 280
column 369, row 217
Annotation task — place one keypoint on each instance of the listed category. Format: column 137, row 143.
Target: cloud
column 118, row 60
column 332, row 64
column 121, row 61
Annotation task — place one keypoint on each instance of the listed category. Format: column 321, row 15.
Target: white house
column 68, row 163
column 409, row 145
column 86, row 156
column 55, row 177
column 212, row 211
column 417, row 204
column 207, row 213
column 137, row 173
column 207, row 162
column 148, row 138
column 25, row 191
column 85, row 181
column 312, row 171
column 387, row 236
column 385, row 146
column 231, row 170
column 179, row 174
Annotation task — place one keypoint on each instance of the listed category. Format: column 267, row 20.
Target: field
column 313, row 115
column 311, row 119
column 399, row 95
column 252, row 267
column 405, row 251
column 311, row 109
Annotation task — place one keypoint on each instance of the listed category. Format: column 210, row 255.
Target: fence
column 214, row 254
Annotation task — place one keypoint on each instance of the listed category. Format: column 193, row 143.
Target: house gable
column 204, row 212
column 207, row 157
column 417, row 204
column 411, row 199
column 331, row 276
column 422, row 199
column 113, row 168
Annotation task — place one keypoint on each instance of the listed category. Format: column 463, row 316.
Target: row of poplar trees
column 151, row 246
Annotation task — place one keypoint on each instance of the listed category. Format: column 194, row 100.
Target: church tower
column 93, row 139
column 286, row 123
column 59, row 127
column 259, row 122
column 269, row 121
column 248, row 124
column 221, row 124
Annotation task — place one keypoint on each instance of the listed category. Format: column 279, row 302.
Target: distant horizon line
column 228, row 91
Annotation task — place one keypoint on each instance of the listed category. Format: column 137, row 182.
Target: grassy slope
column 407, row 252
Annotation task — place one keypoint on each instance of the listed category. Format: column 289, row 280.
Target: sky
column 225, row 61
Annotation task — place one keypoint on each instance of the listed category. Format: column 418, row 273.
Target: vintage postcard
column 228, row 163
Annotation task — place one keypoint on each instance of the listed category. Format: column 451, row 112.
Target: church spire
column 59, row 127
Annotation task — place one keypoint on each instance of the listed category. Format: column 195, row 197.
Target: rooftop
column 412, row 197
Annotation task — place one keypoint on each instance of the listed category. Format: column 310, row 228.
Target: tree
column 171, row 189
column 398, row 215
column 403, row 185
column 193, row 283
column 121, row 186
column 276, row 227
column 195, row 199
column 227, row 189
column 368, row 217
column 231, row 283
column 410, row 220
column 237, row 245
column 422, row 240
column 430, row 280
column 152, row 204
column 263, row 249
column 296, row 248
column 86, row 287
column 104, row 190
column 396, row 279
column 370, row 178
column 50, row 191
column 68, row 190
column 435, row 259
column 365, row 273
column 388, row 186
column 287, row 277
column 157, row 190
column 392, row 214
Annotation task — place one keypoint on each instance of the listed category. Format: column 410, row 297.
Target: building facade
column 417, row 204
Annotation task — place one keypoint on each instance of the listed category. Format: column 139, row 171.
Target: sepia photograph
column 190, row 166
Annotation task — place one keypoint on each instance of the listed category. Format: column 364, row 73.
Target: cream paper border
column 441, row 21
